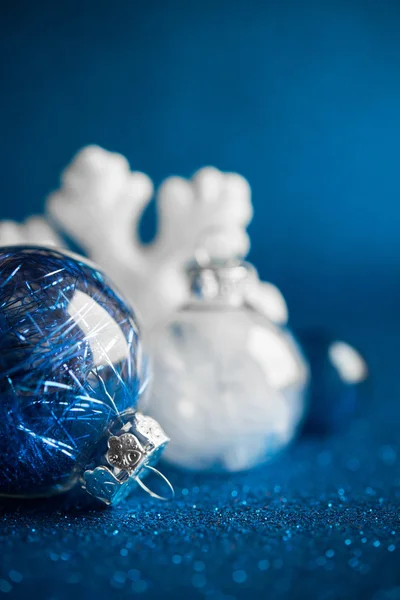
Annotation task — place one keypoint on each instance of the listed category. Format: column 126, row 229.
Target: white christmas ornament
column 228, row 383
column 99, row 206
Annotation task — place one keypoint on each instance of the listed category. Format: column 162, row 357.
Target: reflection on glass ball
column 228, row 387
column 338, row 375
column 70, row 362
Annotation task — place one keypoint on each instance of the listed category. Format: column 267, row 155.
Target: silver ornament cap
column 131, row 454
column 221, row 281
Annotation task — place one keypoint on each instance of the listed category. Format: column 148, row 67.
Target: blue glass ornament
column 71, row 370
column 337, row 384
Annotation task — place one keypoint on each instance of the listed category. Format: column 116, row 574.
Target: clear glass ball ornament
column 72, row 370
column 229, row 385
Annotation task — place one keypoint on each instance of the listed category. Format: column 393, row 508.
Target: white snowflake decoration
column 99, row 206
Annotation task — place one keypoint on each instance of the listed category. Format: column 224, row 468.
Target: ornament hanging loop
column 133, row 450
column 150, row 492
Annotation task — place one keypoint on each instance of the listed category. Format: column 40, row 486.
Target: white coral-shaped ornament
column 99, row 206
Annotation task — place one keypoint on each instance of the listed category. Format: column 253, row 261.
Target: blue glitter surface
column 321, row 522
column 70, row 363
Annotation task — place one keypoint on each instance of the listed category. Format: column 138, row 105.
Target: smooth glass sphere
column 70, row 363
column 229, row 387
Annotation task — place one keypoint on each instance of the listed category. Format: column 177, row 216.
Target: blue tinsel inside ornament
column 70, row 364
column 338, row 381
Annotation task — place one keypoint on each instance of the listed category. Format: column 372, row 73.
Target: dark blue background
column 300, row 97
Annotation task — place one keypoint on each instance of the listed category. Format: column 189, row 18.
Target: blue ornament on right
column 337, row 385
